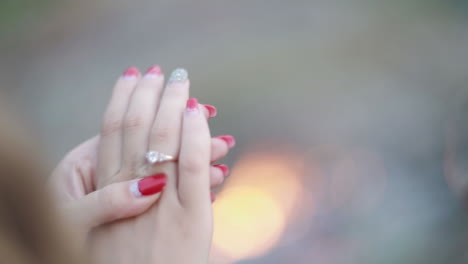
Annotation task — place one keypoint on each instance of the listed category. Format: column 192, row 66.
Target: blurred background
column 350, row 116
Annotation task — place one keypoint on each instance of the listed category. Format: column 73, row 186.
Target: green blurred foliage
column 14, row 12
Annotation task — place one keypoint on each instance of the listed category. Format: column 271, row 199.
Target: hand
column 74, row 180
column 178, row 228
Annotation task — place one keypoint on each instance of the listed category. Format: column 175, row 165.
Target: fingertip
column 149, row 185
column 229, row 139
column 219, row 149
column 216, row 177
column 224, row 169
column 154, row 70
column 131, row 73
column 192, row 104
column 211, row 110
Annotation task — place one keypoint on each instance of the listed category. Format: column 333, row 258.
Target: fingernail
column 154, row 71
column 192, row 104
column 212, row 111
column 178, row 75
column 230, row 140
column 223, row 168
column 131, row 73
column 212, row 197
column 148, row 185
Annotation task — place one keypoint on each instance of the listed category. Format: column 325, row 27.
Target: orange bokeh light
column 248, row 222
column 257, row 203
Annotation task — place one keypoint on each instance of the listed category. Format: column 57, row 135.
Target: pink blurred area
column 340, row 110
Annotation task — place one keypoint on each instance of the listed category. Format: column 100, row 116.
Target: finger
column 86, row 154
column 212, row 196
column 138, row 120
column 194, row 160
column 223, row 168
column 209, row 110
column 220, row 147
column 216, row 176
column 230, row 140
column 118, row 201
column 166, row 130
column 110, row 142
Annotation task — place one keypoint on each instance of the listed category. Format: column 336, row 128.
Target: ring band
column 154, row 157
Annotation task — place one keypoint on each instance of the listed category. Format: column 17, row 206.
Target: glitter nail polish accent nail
column 178, row 75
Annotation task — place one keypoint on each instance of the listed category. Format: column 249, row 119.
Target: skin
column 92, row 182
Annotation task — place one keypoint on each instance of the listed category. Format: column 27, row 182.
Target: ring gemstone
column 154, row 157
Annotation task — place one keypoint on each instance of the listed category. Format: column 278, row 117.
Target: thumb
column 118, row 200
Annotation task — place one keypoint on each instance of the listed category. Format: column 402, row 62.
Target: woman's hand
column 178, row 228
column 93, row 182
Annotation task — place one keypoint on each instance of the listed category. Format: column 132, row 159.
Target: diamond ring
column 154, row 157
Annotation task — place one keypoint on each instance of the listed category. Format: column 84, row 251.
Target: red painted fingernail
column 212, row 197
column 212, row 111
column 148, row 185
column 224, row 168
column 192, row 104
column 230, row 140
column 131, row 73
column 153, row 71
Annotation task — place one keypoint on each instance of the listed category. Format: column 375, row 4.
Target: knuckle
column 133, row 166
column 161, row 135
column 133, row 122
column 110, row 126
column 193, row 165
